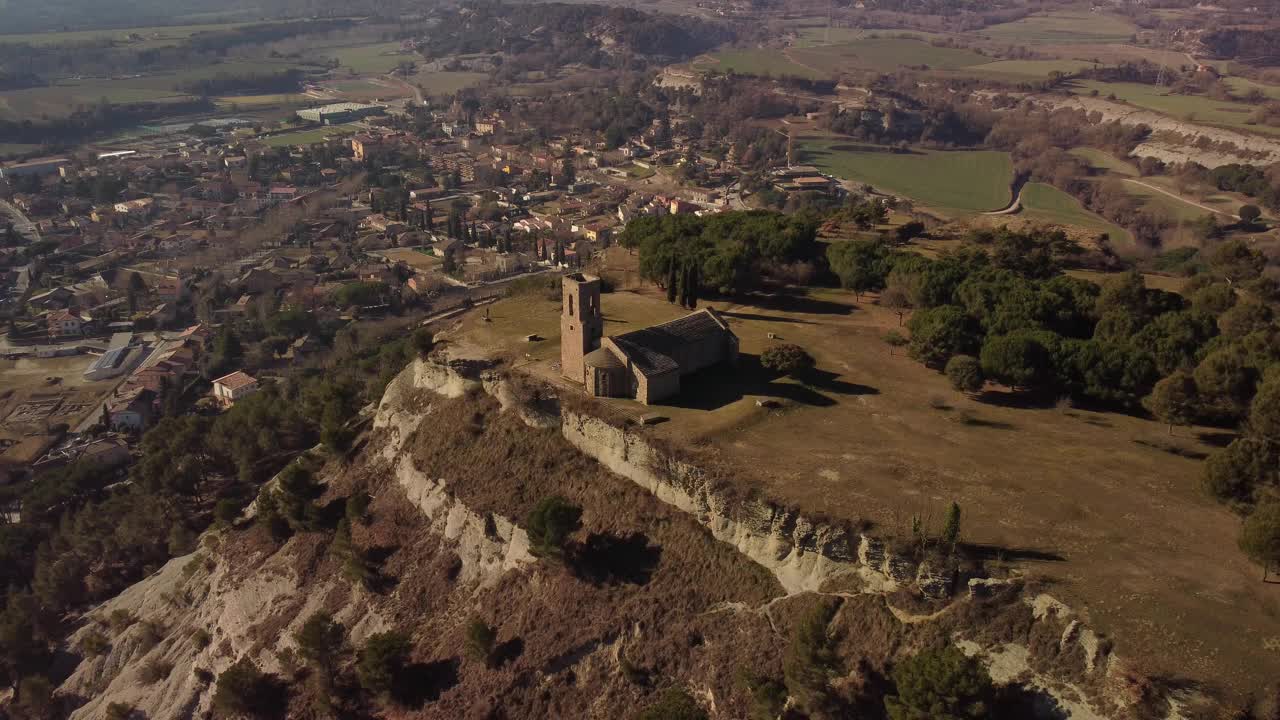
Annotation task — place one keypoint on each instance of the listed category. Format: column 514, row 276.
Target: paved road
column 1176, row 196
column 21, row 222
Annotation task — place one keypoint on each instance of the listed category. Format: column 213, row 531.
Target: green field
column 1101, row 160
column 1240, row 86
column 307, row 137
column 1046, row 203
column 952, row 182
column 758, row 61
column 378, row 59
column 65, row 96
column 885, row 54
column 1197, row 108
column 1064, row 27
column 151, row 36
column 1169, row 207
column 1030, row 69
column 446, row 83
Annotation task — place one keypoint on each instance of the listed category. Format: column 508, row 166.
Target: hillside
column 671, row 582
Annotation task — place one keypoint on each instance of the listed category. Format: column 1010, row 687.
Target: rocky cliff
column 674, row 580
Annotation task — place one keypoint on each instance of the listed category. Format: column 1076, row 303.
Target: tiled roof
column 651, row 348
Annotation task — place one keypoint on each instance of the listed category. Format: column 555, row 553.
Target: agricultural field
column 376, row 59
column 1103, row 161
column 950, row 182
column 1029, row 69
column 1064, row 26
column 1194, row 108
column 446, row 83
column 1241, row 86
column 885, row 55
column 757, row 61
column 254, row 102
column 150, row 36
column 1045, row 203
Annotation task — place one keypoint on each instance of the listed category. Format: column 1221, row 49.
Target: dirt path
column 1178, row 197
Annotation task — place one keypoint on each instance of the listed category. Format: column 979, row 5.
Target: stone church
column 645, row 365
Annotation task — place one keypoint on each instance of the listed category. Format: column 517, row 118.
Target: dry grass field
column 1105, row 507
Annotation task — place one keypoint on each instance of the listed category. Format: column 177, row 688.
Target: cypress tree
column 671, row 280
column 693, row 286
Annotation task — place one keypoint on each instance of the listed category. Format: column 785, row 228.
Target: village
column 122, row 264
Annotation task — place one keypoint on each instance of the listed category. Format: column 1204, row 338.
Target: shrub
column 1260, row 536
column 242, row 689
column 965, row 373
column 787, row 359
column 480, row 640
column 94, row 643
column 150, row 634
column 768, row 696
column 550, row 525
column 424, row 341
column 201, row 638
column 811, row 661
column 119, row 711
column 120, row 620
column 154, row 670
column 673, row 704
column 320, row 640
column 940, row 684
column 383, row 658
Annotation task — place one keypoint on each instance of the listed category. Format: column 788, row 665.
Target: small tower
column 581, row 323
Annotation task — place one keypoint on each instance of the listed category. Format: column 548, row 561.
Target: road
column 1178, row 197
column 419, row 101
column 21, row 222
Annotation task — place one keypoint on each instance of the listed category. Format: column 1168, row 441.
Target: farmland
column 1063, row 27
column 373, row 59
column 1104, row 161
column 1045, row 203
column 951, row 182
column 447, row 82
column 150, row 36
column 884, row 54
column 1196, row 108
column 757, row 61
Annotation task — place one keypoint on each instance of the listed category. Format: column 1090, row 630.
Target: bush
column 940, row 684
column 242, row 689
column 201, row 638
column 150, row 635
column 383, row 658
column 320, row 640
column 673, row 704
column 94, row 643
column 154, row 670
column 786, row 359
column 1260, row 536
column 480, row 640
column 1018, row 361
column 119, row 711
column 811, row 661
column 424, row 341
column 965, row 373
column 120, row 620
column 550, row 525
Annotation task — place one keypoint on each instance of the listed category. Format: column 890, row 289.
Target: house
column 645, row 365
column 445, row 247
column 63, row 324
column 131, row 409
column 234, row 386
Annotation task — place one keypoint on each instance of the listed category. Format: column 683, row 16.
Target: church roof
column 651, row 348
column 602, row 358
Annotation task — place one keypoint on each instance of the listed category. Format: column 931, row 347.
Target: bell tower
column 581, row 323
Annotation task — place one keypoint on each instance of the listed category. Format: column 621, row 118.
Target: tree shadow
column 507, row 652
column 983, row 552
column 1172, row 449
column 421, row 683
column 604, row 558
column 718, row 386
column 1016, row 700
column 765, row 318
column 1020, row 400
column 783, row 301
column 973, row 421
column 1216, row 439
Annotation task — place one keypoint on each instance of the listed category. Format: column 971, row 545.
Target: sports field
column 1196, row 108
column 1064, row 26
column 1046, row 203
column 307, row 137
column 950, row 182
